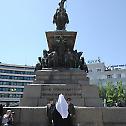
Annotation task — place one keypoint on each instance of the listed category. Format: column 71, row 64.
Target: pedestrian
column 50, row 109
column 8, row 118
column 71, row 111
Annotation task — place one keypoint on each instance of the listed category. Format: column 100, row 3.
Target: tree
column 110, row 93
column 120, row 93
column 113, row 93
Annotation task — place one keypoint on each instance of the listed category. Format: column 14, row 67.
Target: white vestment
column 62, row 106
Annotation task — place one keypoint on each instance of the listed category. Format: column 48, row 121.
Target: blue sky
column 101, row 27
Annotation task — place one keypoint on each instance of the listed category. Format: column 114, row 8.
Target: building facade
column 99, row 73
column 13, row 78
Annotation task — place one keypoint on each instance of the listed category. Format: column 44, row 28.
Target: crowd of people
column 62, row 113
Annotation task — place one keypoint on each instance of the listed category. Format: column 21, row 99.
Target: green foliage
column 112, row 93
column 120, row 92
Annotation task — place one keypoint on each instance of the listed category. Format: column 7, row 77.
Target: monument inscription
column 54, row 91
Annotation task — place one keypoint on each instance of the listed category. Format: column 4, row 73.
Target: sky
column 100, row 27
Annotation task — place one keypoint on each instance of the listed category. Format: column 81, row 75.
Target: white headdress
column 62, row 106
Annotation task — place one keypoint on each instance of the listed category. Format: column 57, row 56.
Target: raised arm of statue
column 61, row 4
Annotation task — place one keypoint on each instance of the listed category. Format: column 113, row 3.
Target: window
column 98, row 70
column 118, row 75
column 109, row 76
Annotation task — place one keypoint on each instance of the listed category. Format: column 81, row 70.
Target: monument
column 61, row 69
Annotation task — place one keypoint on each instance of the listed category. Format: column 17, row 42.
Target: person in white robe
column 61, row 116
column 62, row 106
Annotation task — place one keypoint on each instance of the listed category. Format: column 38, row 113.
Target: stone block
column 93, row 102
column 114, row 115
column 83, row 82
column 29, row 101
column 89, row 116
column 34, row 116
column 61, row 76
column 90, row 91
column 32, row 90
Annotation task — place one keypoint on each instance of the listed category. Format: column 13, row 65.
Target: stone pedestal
column 50, row 83
column 68, row 36
column 61, row 76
